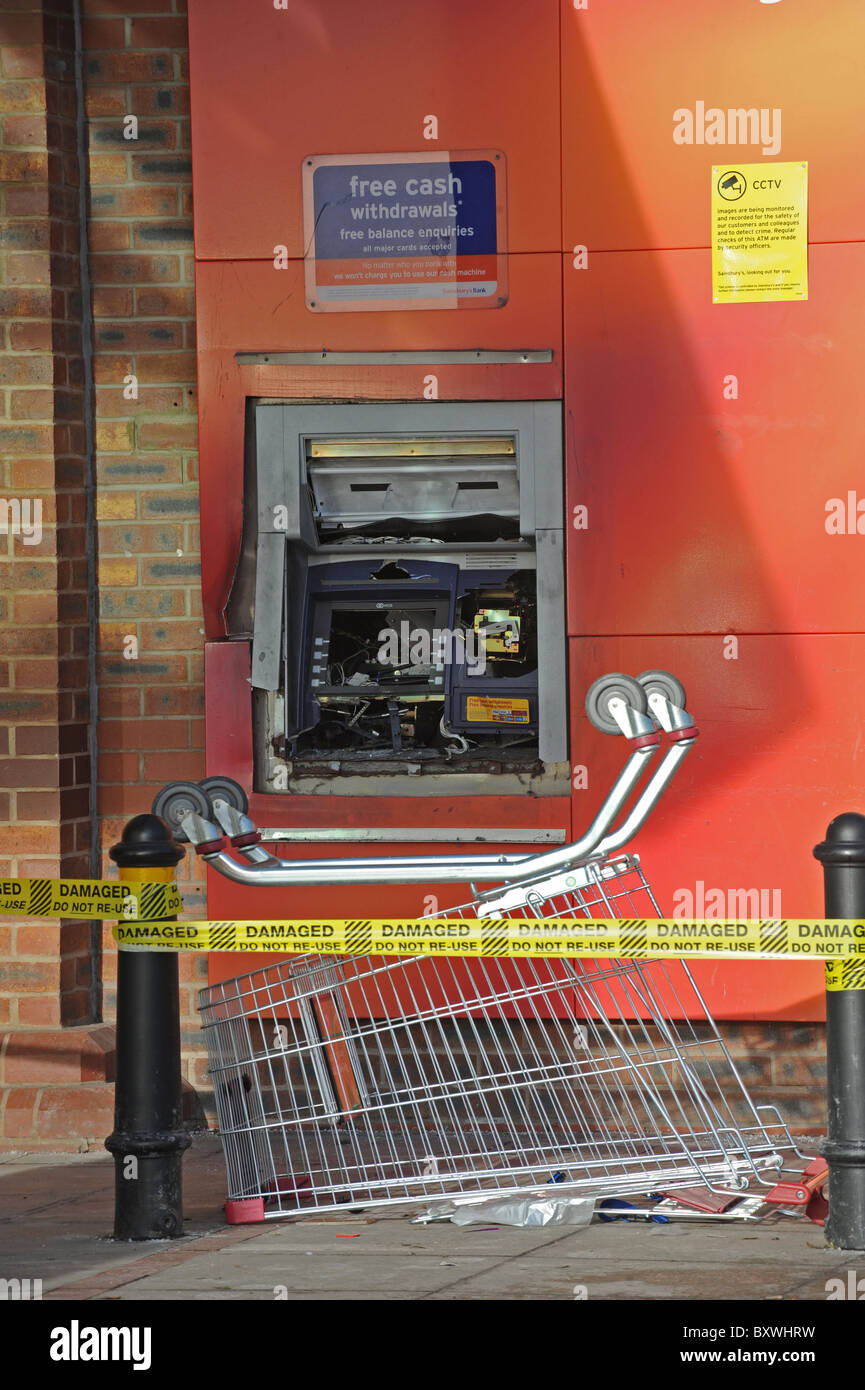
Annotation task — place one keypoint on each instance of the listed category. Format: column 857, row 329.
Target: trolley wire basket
column 369, row 1081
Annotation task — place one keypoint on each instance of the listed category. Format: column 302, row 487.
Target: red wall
column 706, row 515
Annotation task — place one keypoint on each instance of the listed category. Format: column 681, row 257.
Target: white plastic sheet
column 516, row 1211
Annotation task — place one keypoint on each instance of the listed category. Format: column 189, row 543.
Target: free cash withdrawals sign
column 405, row 231
column 759, row 232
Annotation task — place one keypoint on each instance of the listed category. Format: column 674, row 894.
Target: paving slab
column 56, row 1215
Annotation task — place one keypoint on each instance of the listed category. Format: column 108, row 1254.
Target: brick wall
column 150, row 668
column 44, row 638
column 151, row 701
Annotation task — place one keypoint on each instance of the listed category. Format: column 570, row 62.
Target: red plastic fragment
column 703, row 1198
column 818, row 1208
column 286, row 1183
column 799, row 1192
column 245, row 1211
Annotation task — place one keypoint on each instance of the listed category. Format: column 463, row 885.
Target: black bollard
column 842, row 855
column 148, row 1140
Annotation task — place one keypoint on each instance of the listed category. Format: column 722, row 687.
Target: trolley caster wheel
column 227, row 790
column 609, row 687
column 662, row 683
column 177, row 800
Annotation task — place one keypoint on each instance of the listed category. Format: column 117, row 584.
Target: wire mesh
column 364, row 1081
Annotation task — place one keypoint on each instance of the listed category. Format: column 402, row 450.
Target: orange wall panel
column 272, row 86
column 708, row 514
column 780, row 752
column 629, row 65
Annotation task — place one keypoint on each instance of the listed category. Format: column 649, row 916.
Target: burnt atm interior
column 401, row 583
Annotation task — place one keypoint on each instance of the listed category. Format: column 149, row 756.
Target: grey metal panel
column 554, row 781
column 296, row 564
column 455, row 357
column 283, row 503
column 548, row 464
column 384, row 418
column 491, row 555
column 552, row 649
column 267, row 620
column 537, row 425
column 415, row 488
column 526, row 465
column 271, row 466
column 422, row 834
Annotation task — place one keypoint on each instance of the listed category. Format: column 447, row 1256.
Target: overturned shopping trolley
column 369, row 1081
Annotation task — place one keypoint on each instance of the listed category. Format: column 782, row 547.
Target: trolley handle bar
column 268, row 871
column 525, row 867
column 650, row 795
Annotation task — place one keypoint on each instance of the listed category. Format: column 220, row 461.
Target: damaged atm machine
column 401, row 571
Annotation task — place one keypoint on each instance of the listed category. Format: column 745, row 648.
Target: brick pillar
column 44, row 639
column 50, row 977
column 151, row 639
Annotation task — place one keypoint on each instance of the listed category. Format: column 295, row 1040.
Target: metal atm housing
column 402, row 583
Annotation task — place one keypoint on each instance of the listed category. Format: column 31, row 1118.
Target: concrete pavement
column 56, row 1216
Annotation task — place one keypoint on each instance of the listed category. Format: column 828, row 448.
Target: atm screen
column 377, row 650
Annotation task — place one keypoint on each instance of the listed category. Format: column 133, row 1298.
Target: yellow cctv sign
column 759, row 232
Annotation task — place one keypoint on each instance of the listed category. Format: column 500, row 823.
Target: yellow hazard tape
column 132, row 899
column 842, row 941
column 845, row 974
